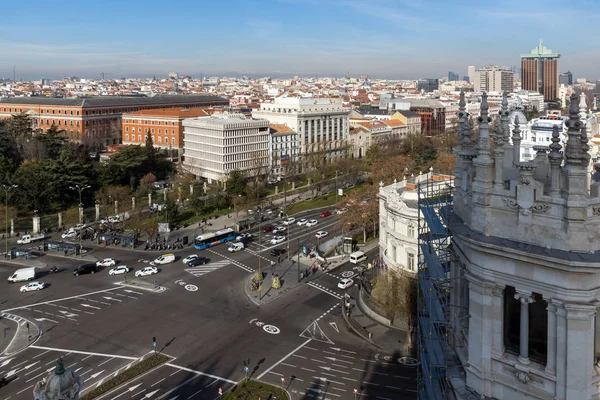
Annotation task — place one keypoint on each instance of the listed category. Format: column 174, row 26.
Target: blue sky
column 381, row 38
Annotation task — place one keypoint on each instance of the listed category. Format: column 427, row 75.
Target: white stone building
column 322, row 126
column 398, row 221
column 525, row 272
column 493, row 79
column 283, row 151
column 214, row 146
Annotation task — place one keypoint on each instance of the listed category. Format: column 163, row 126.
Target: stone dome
column 60, row 384
column 517, row 113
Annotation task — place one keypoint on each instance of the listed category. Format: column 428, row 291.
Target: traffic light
column 154, row 339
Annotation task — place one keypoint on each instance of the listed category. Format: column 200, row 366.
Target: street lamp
column 355, row 393
column 6, row 188
column 288, row 235
column 80, row 189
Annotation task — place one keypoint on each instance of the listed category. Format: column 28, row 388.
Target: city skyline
column 382, row 38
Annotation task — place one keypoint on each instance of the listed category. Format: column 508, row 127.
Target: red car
column 325, row 213
column 268, row 228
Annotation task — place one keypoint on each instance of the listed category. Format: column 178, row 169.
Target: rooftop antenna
column 14, row 72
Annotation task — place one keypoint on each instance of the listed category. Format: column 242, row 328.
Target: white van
column 23, row 274
column 357, row 257
column 164, row 259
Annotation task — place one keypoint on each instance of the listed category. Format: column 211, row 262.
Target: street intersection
column 201, row 317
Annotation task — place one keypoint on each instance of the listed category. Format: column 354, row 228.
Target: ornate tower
column 525, row 279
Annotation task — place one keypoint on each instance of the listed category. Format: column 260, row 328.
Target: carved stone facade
column 526, row 240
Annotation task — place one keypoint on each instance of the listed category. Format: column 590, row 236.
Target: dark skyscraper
column 452, row 76
column 539, row 72
column 566, row 78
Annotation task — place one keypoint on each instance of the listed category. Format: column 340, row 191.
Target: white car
column 107, row 262
column 243, row 236
column 311, row 223
column 164, row 259
column 277, row 239
column 289, row 221
column 121, row 269
column 71, row 233
column 31, row 286
column 321, row 234
column 147, row 271
column 236, row 247
column 345, row 283
column 279, row 229
column 189, row 258
column 302, row 221
column 79, row 227
column 341, row 211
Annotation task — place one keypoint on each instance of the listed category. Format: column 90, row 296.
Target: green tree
column 36, row 186
column 236, row 183
column 171, row 211
column 374, row 154
column 150, row 154
column 52, row 141
column 19, row 125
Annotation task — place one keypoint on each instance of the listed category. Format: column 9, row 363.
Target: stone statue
column 60, row 384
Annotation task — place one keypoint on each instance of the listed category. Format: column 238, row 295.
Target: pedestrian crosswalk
column 206, row 268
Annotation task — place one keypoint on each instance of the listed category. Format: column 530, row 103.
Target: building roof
column 372, row 110
column 393, row 122
column 426, row 103
column 172, row 113
column 408, row 114
column 112, row 101
column 281, row 129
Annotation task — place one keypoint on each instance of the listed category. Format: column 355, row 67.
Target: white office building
column 322, row 126
column 493, row 79
column 283, row 151
column 214, row 146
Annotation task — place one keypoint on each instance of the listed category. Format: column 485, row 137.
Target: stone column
column 133, row 203
column 36, row 223
column 97, row 211
column 204, row 187
column 498, row 320
column 12, row 226
column 561, row 348
column 552, row 328
column 165, row 195
column 191, row 189
column 80, row 214
column 309, row 182
column 580, row 355
column 276, row 189
column 59, row 220
column 116, row 207
column 294, row 185
column 526, row 299
column 149, row 200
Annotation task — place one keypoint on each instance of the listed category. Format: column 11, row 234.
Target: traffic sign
column 246, row 369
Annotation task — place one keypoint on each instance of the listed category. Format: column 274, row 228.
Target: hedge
column 136, row 370
column 254, row 390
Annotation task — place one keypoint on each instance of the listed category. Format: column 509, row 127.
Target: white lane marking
column 27, row 388
column 284, row 358
column 393, row 387
column 296, row 355
column 319, row 361
column 157, row 382
column 210, row 384
column 41, row 354
column 275, row 373
column 32, row 371
column 176, row 372
column 311, row 348
column 83, row 359
column 401, row 377
column 58, row 300
column 288, row 365
column 198, row 374
column 324, row 291
column 307, row 369
column 83, row 352
column 104, row 362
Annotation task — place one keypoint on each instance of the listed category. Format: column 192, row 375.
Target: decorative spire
column 504, row 117
column 573, row 151
column 582, row 107
column 462, row 129
column 555, row 156
column 516, row 141
column 483, row 151
column 585, row 147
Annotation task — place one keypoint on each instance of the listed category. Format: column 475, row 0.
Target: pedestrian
column 278, row 260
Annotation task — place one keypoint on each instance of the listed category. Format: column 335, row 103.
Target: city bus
column 213, row 238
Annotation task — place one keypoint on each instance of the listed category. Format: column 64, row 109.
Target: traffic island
column 24, row 334
column 255, row 390
column 138, row 368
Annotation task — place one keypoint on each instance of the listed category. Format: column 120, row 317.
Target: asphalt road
column 99, row 328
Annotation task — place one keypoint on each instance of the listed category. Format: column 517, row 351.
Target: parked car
column 311, row 223
column 85, row 269
column 277, row 239
column 321, row 234
column 189, row 258
column 147, row 271
column 277, row 252
column 199, row 261
column 71, row 233
column 31, row 286
column 243, row 236
column 235, row 247
column 121, row 269
column 345, row 283
column 289, row 221
column 302, row 221
column 325, row 213
column 268, row 229
column 107, row 262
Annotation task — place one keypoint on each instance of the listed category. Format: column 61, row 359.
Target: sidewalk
column 24, row 334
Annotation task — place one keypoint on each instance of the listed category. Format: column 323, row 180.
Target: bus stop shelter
column 61, row 247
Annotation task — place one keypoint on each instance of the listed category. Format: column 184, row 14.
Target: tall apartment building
column 493, row 79
column 539, row 72
column 566, row 78
column 214, row 146
column 165, row 126
column 471, row 73
column 322, row 126
column 95, row 120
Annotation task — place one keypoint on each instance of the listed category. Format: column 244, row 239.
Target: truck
column 23, row 274
column 25, row 239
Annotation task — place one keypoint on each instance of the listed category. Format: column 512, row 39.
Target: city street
column 99, row 324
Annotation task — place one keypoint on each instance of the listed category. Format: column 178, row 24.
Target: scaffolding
column 434, row 203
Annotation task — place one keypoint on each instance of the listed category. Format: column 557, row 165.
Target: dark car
column 198, row 261
column 268, row 229
column 86, row 269
column 277, row 252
